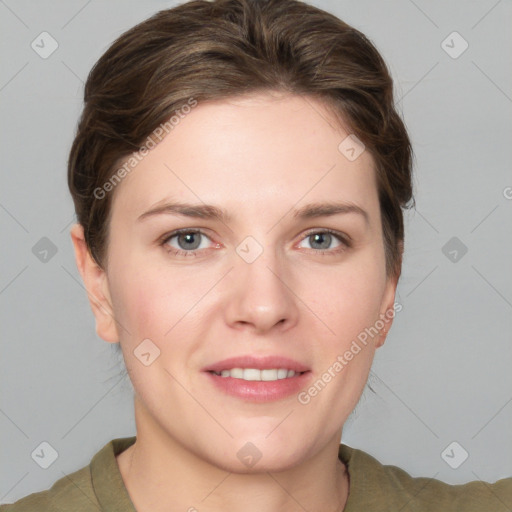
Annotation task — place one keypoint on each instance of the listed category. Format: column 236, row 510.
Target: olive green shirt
column 373, row 487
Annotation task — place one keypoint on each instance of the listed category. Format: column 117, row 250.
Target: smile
column 254, row 374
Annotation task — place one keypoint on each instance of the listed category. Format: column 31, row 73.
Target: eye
column 322, row 241
column 189, row 242
column 185, row 242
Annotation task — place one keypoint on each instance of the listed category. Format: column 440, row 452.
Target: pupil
column 325, row 237
column 188, row 237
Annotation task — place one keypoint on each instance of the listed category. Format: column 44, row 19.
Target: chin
column 246, row 456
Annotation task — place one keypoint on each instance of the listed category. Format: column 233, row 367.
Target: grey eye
column 189, row 240
column 322, row 239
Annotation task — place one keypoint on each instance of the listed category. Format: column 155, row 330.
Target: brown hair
column 214, row 50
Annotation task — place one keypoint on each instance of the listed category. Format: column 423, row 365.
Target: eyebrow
column 207, row 211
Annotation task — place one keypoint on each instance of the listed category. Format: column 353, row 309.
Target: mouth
column 252, row 379
column 255, row 374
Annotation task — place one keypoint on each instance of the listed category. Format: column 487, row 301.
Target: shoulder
column 72, row 492
column 378, row 487
column 97, row 486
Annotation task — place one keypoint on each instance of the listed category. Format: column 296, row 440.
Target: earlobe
column 382, row 335
column 96, row 285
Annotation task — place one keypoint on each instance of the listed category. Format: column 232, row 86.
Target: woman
column 239, row 174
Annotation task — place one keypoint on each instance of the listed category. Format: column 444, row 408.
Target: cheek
column 350, row 307
column 347, row 299
column 155, row 302
column 147, row 307
column 143, row 302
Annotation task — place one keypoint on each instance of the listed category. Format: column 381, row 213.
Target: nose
column 261, row 296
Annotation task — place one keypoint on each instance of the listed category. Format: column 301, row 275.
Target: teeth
column 253, row 374
column 236, row 373
column 269, row 375
column 282, row 373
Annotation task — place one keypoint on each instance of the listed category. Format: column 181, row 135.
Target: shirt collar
column 107, row 481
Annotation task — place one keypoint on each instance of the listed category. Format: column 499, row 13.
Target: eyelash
column 345, row 241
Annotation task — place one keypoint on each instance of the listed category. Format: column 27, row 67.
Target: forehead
column 249, row 151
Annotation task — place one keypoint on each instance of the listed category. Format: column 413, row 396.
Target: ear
column 388, row 311
column 96, row 285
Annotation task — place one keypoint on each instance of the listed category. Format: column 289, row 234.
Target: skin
column 259, row 157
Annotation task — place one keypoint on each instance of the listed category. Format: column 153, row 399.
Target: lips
column 252, row 378
column 259, row 363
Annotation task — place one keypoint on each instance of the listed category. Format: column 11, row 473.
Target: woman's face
column 266, row 284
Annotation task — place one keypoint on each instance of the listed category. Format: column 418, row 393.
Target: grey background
column 443, row 374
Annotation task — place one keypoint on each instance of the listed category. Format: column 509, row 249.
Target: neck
column 162, row 475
